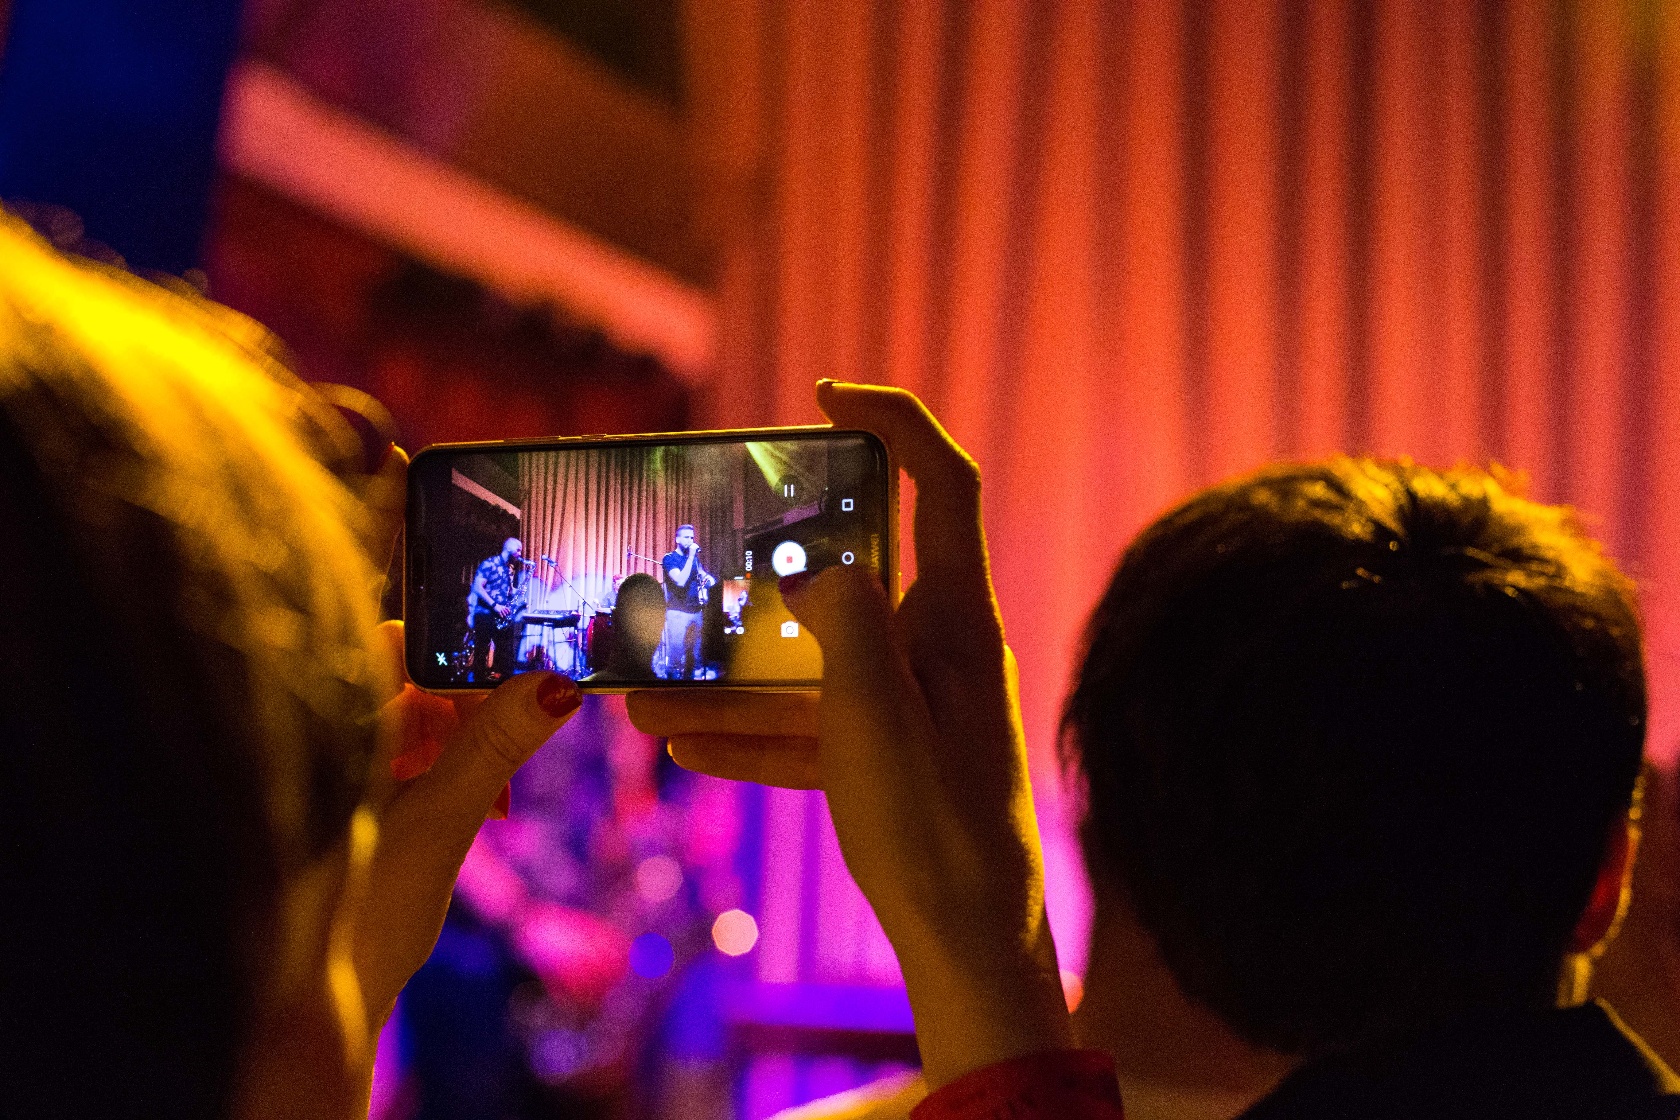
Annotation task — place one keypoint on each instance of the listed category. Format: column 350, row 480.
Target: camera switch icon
column 846, row 505
column 790, row 629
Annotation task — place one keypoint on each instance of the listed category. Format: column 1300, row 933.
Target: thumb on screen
column 847, row 611
column 471, row 774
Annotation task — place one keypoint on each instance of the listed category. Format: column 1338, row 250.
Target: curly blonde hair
column 190, row 694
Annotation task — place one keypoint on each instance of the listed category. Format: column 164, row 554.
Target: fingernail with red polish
column 558, row 696
column 791, row 585
column 379, row 459
column 504, row 804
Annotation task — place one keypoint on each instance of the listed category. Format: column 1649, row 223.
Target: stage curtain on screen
column 589, row 510
column 1125, row 248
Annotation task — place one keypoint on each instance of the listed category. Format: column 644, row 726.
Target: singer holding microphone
column 686, row 583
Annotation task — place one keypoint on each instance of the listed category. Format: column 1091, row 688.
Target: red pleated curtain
column 1125, row 248
column 600, row 515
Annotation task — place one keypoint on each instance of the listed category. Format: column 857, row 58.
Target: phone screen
column 634, row 562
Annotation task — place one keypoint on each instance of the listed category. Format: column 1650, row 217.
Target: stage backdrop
column 1125, row 248
column 603, row 514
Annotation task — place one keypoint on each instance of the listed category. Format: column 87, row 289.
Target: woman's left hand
column 443, row 766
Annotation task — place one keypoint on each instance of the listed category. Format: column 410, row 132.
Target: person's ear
column 1611, row 892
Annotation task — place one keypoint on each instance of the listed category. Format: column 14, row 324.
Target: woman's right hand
column 916, row 739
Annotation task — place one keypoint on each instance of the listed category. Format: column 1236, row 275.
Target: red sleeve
column 1075, row 1084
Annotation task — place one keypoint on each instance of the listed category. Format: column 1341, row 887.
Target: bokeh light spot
column 557, row 1054
column 651, row 956
column 658, row 878
column 734, row 932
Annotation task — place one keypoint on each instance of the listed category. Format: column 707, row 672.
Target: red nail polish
column 558, row 696
column 504, row 804
column 790, row 585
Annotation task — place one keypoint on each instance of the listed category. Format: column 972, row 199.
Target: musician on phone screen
column 496, row 609
column 686, row 584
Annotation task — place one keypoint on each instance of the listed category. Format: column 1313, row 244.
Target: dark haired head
column 1354, row 736
column 638, row 622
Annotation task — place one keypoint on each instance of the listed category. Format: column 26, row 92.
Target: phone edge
column 893, row 583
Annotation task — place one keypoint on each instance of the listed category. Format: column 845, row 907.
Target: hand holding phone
column 916, row 739
column 441, row 766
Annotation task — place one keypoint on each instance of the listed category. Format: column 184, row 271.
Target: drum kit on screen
column 584, row 635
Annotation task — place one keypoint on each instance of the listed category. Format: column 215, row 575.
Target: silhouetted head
column 638, row 623
column 1355, row 738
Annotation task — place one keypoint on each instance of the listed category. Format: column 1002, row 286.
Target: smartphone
column 636, row 561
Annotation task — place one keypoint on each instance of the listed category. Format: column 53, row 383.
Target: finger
column 425, row 724
column 391, row 670
column 949, row 537
column 467, row 703
column 412, row 724
column 696, row 711
column 788, row 762
column 847, row 612
column 429, row 826
column 450, row 801
column 867, row 680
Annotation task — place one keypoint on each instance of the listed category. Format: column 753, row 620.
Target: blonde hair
column 138, row 399
column 169, row 480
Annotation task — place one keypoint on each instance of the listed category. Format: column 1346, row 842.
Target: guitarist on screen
column 496, row 611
